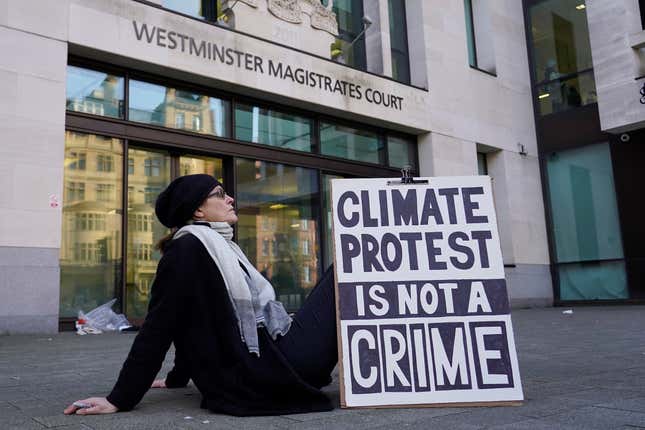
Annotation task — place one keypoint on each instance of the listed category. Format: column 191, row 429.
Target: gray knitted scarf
column 227, row 256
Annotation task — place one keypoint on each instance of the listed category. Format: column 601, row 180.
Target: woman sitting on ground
column 239, row 346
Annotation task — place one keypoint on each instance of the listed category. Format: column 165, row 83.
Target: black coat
column 190, row 306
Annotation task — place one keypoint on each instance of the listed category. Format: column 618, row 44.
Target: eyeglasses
column 218, row 193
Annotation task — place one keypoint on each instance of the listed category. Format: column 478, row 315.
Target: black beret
column 177, row 203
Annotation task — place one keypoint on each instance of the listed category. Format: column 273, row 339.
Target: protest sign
column 422, row 308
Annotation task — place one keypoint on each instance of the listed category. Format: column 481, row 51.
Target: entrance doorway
column 108, row 206
column 149, row 172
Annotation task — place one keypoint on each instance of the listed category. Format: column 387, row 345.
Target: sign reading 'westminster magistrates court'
column 210, row 50
column 423, row 312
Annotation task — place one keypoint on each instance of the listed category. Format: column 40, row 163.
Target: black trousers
column 310, row 345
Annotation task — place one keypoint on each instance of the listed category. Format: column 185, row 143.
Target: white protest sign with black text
column 423, row 312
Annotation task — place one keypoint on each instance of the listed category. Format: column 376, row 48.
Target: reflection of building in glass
column 561, row 53
column 148, row 174
column 286, row 254
column 192, row 165
column 90, row 255
column 177, row 109
column 277, row 228
column 95, row 93
column 92, row 234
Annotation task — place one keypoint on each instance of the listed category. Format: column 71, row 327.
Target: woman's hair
column 164, row 241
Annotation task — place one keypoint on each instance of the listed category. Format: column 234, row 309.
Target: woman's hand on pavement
column 159, row 383
column 95, row 405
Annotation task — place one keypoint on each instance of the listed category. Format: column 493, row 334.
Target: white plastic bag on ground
column 101, row 318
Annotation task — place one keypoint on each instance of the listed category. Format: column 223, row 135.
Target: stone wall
column 618, row 50
column 33, row 40
column 470, row 109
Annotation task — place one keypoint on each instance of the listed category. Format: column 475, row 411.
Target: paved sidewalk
column 585, row 370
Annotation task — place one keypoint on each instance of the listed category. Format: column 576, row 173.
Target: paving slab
column 592, row 418
column 534, row 424
column 634, row 404
column 579, row 371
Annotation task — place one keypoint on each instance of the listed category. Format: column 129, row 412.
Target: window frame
column 406, row 43
column 471, row 40
column 179, row 141
column 535, row 84
column 347, row 37
column 227, row 145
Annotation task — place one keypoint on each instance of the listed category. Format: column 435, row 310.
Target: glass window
column 190, row 165
column 142, row 222
column 561, row 55
column 560, row 39
column 560, row 95
column 349, row 142
column 328, row 257
column 150, row 194
column 280, row 194
column 104, row 163
column 75, row 160
column 180, row 120
column 349, row 14
column 144, row 230
column 585, row 222
column 479, row 34
column 169, row 107
column 105, row 192
column 152, row 166
column 470, row 33
column 599, row 280
column 89, row 221
column 583, row 204
column 94, row 92
column 90, row 253
column 399, row 41
column 401, row 152
column 202, row 9
column 482, row 164
column 197, row 123
column 269, row 127
column 74, row 191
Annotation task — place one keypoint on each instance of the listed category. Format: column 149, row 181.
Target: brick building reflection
column 280, row 238
column 91, row 254
column 286, row 254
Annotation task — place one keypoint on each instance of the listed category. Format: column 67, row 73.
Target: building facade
column 586, row 64
column 107, row 101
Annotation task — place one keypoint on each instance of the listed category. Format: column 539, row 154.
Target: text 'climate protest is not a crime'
column 381, row 251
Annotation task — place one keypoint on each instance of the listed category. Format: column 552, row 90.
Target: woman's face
column 218, row 207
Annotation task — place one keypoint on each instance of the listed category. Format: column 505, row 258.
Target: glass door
column 192, row 164
column 90, row 253
column 149, row 172
column 278, row 226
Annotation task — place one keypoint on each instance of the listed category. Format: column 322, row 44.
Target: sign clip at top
column 406, row 178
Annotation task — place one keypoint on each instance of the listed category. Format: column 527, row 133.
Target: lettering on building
column 216, row 52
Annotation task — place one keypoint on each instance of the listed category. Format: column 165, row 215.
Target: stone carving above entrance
column 321, row 17
column 286, row 10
